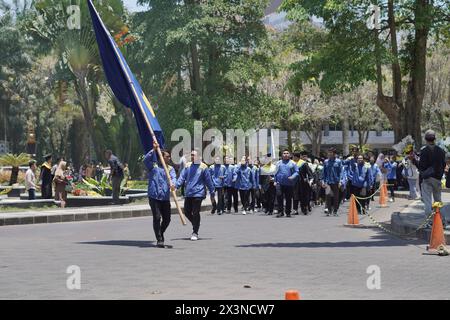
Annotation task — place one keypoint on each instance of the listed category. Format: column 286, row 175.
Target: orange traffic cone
column 383, row 196
column 292, row 295
column 437, row 238
column 352, row 218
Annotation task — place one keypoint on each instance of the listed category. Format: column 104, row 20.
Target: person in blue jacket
column 391, row 167
column 359, row 179
column 285, row 178
column 254, row 191
column 375, row 176
column 332, row 179
column 159, row 191
column 231, row 193
column 243, row 179
column 196, row 177
column 218, row 171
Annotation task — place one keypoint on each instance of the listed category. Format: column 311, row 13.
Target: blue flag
column 124, row 84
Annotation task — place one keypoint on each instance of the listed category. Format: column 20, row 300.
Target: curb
column 86, row 214
column 401, row 225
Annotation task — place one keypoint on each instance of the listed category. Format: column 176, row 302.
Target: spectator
column 431, row 168
column 117, row 174
column 99, row 171
column 411, row 174
column 60, row 180
column 391, row 167
column 30, row 180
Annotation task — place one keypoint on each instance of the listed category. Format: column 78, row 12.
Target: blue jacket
column 360, row 176
column 392, row 170
column 243, row 177
column 218, row 171
column 332, row 171
column 158, row 188
column 255, row 173
column 196, row 177
column 374, row 171
column 229, row 171
column 286, row 169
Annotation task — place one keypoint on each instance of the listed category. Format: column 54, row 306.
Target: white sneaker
column 194, row 237
column 243, row 212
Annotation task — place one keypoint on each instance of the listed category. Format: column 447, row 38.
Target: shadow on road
column 379, row 240
column 125, row 243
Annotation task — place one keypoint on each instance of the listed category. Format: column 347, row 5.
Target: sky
column 132, row 6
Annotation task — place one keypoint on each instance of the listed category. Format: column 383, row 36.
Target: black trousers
column 305, row 196
column 231, row 198
column 192, row 208
column 357, row 193
column 268, row 194
column 392, row 185
column 220, row 205
column 333, row 198
column 254, row 199
column 285, row 193
column 46, row 191
column 31, row 194
column 161, row 217
column 245, row 194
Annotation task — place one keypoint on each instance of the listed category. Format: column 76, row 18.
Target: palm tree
column 14, row 161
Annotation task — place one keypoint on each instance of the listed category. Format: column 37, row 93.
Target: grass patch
column 4, row 209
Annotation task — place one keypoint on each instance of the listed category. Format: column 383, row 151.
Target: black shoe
column 288, row 215
column 270, row 213
column 213, row 211
column 160, row 244
column 280, row 215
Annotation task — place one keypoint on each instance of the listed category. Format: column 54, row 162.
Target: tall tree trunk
column 87, row 104
column 345, row 135
column 14, row 175
column 289, row 139
column 416, row 83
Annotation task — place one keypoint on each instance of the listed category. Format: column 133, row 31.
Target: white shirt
column 30, row 180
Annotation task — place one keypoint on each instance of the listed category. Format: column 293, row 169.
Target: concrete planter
column 15, row 192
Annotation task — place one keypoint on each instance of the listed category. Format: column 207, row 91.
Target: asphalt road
column 237, row 257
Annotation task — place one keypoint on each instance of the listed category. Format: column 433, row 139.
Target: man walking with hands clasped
column 196, row 177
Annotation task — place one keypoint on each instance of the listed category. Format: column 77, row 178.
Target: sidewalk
column 409, row 219
column 86, row 213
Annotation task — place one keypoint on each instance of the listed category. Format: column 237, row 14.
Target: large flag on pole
column 124, row 84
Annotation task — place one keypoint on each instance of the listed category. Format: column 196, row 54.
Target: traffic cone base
column 352, row 218
column 383, row 196
column 292, row 295
column 437, row 238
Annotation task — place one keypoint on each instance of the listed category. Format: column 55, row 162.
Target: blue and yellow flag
column 124, row 84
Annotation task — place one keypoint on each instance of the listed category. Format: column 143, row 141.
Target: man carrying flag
column 129, row 92
column 159, row 192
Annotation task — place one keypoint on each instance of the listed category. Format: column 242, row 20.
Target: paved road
column 315, row 255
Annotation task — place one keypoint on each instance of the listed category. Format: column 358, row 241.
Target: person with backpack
column 431, row 169
column 411, row 174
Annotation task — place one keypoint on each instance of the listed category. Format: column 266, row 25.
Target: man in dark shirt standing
column 431, row 168
column 116, row 174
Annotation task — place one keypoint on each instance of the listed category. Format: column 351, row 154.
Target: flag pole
column 149, row 126
column 158, row 150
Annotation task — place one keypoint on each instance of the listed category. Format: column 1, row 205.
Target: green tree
column 202, row 60
column 353, row 53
